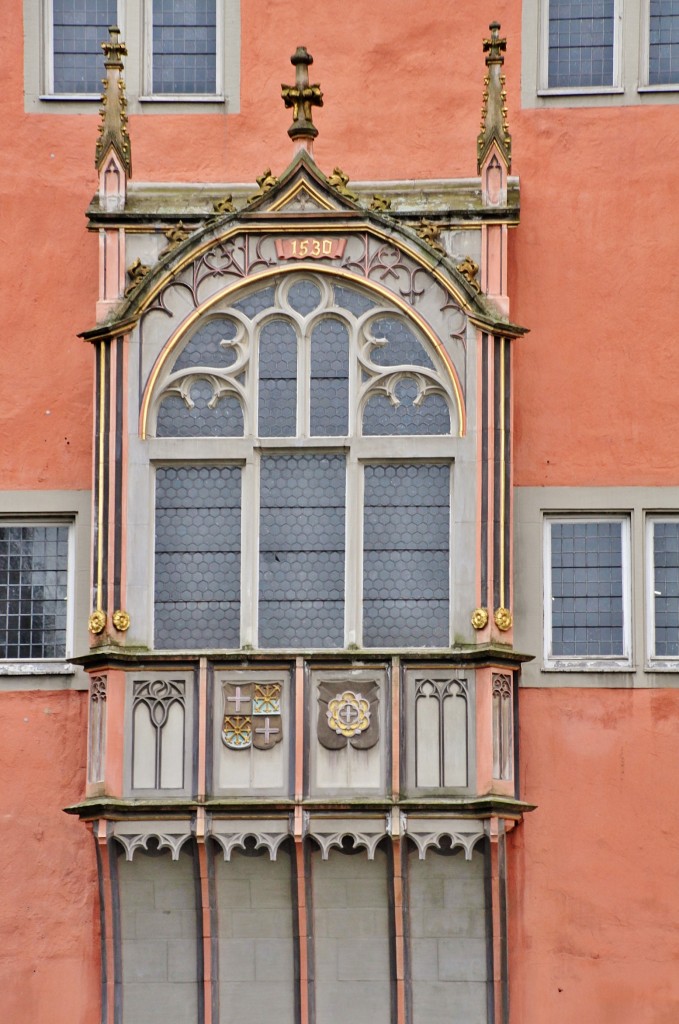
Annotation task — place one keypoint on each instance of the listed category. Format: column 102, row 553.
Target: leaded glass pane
column 33, row 591
column 255, row 303
column 79, row 27
column 353, row 301
column 277, row 379
column 329, row 378
column 177, row 419
column 587, row 590
column 209, row 346
column 581, row 42
column 666, row 588
column 197, row 582
column 304, row 297
column 398, row 345
column 663, row 52
column 383, row 417
column 301, row 559
column 406, row 555
column 184, row 46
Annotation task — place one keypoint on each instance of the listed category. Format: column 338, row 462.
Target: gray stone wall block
column 236, row 958
column 145, row 961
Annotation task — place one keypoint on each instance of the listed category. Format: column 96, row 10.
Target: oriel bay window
column 308, row 499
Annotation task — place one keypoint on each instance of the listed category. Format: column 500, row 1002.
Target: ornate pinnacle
column 494, row 111
column 113, row 127
column 302, row 97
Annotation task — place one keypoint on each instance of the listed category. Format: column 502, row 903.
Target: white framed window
column 659, row 45
column 587, row 592
column 599, row 52
column 75, row 30
column 662, row 577
column 183, row 51
column 325, row 520
column 179, row 52
column 36, row 584
column 580, row 45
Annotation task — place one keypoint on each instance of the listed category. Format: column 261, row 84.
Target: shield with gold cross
column 252, row 715
column 348, row 714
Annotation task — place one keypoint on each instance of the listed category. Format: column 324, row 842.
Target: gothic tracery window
column 331, row 488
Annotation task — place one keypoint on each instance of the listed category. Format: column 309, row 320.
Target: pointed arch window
column 322, row 516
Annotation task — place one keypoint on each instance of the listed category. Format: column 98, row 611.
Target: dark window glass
column 301, row 551
column 666, row 588
column 581, row 43
column 33, row 591
column 184, row 46
column 79, row 27
column 197, row 595
column 406, row 556
column 663, row 50
column 587, row 589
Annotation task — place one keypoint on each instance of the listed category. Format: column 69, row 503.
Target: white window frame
column 645, row 54
column 147, row 61
column 48, row 91
column 6, row 664
column 544, row 89
column 654, row 662
column 585, row 663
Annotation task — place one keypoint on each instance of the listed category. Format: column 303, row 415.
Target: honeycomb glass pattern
column 277, row 379
column 329, row 378
column 406, row 551
column 184, row 46
column 79, row 27
column 382, row 418
column 205, row 347
column 301, row 557
column 304, row 297
column 353, row 301
column 666, row 588
column 663, row 50
column 255, row 303
column 400, row 346
column 198, row 542
column 33, row 591
column 580, row 43
column 587, row 596
column 176, row 419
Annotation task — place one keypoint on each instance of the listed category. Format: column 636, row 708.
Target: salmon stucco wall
column 49, row 914
column 594, row 870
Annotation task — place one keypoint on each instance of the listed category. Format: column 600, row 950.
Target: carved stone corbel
column 462, row 832
column 365, row 832
column 232, row 834
column 134, row 835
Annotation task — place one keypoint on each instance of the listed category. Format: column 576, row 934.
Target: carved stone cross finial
column 302, row 97
column 113, row 128
column 494, row 111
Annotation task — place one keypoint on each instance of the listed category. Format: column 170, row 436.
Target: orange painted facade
column 593, row 871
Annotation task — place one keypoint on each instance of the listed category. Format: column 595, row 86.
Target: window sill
column 666, row 87
column 36, row 668
column 661, row 666
column 179, row 97
column 583, row 90
column 588, row 666
column 70, row 97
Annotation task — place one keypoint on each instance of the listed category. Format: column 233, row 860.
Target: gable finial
column 494, row 112
column 113, row 127
column 302, row 97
